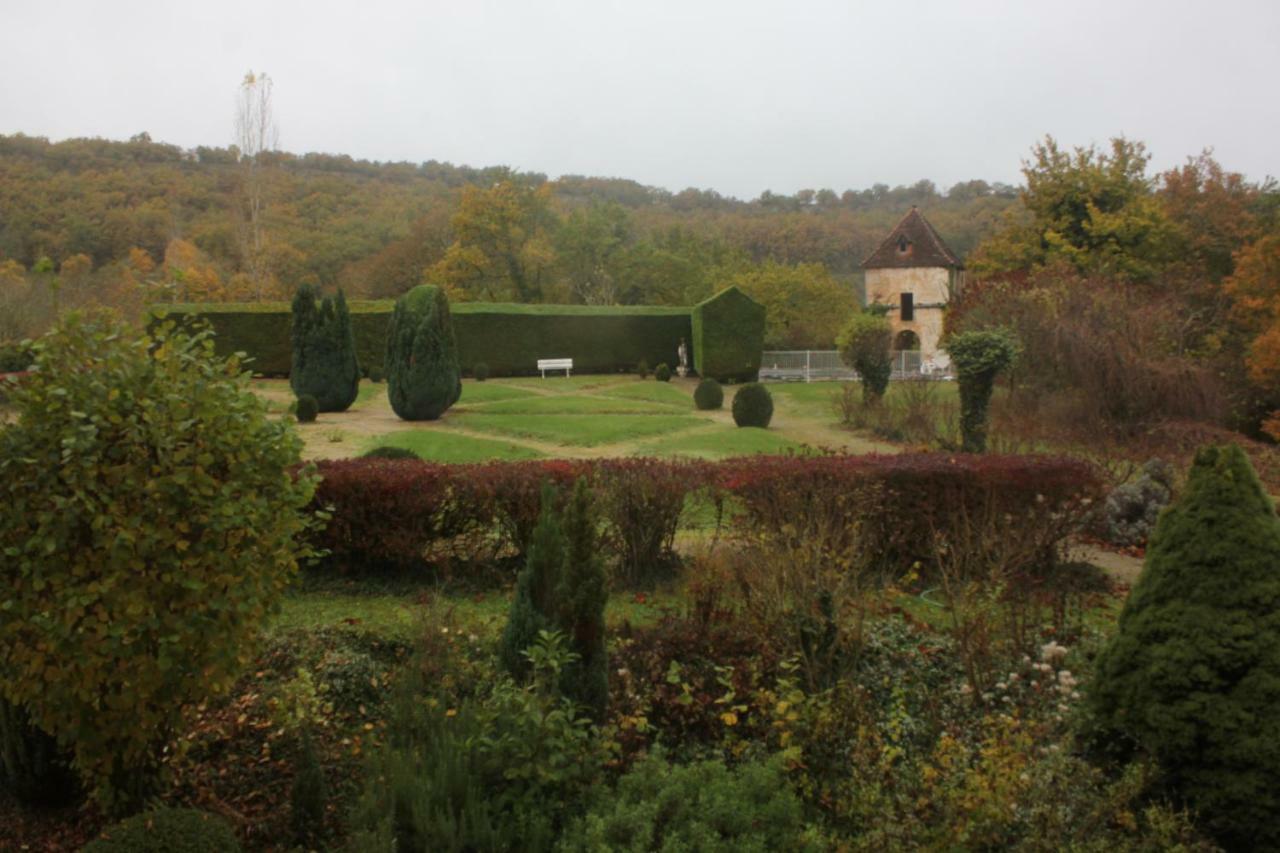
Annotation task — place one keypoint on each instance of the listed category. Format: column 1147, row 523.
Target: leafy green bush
column 864, row 345
column 704, row 806
column 14, row 357
column 389, row 452
column 167, row 830
column 662, row 373
column 480, row 371
column 424, row 379
column 324, row 362
column 152, row 521
column 708, row 395
column 32, row 767
column 978, row 358
column 642, row 369
column 1192, row 677
column 752, row 406
column 306, row 408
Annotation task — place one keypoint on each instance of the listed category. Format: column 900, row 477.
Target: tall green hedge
column 728, row 336
column 509, row 338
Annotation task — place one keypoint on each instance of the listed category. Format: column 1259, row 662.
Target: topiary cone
column 423, row 375
column 1192, row 676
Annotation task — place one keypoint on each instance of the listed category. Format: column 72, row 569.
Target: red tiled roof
column 923, row 246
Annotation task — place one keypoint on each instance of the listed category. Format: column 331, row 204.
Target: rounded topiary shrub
column 708, row 395
column 865, row 345
column 1192, row 676
column 423, row 376
column 375, row 374
column 480, row 371
column 387, row 452
column 306, row 409
column 662, row 373
column 167, row 830
column 154, row 516
column 978, row 357
column 642, row 369
column 752, row 406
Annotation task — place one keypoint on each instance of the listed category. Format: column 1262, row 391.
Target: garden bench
column 565, row 364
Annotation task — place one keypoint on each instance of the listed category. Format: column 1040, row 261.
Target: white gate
column 819, row 365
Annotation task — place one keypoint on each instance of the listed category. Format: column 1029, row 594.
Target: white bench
column 565, row 364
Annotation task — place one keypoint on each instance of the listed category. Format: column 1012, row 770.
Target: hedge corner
column 728, row 336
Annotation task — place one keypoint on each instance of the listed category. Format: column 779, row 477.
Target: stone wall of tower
column 930, row 288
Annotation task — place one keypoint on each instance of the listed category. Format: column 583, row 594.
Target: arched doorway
column 906, row 354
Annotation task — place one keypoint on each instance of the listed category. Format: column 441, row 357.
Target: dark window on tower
column 903, row 244
column 906, row 307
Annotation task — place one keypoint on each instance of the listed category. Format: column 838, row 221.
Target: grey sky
column 732, row 95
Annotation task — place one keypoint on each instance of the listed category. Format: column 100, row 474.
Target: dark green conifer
column 1192, row 677
column 324, row 362
column 581, row 598
column 533, row 608
column 423, row 375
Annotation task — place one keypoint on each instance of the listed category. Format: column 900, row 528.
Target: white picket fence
column 825, row 365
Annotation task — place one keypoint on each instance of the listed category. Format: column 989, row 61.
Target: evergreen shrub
column 424, row 379
column 149, row 505
column 703, row 806
column 167, row 830
column 308, row 794
column 306, row 408
column 642, row 369
column 323, row 363
column 662, row 373
column 388, row 452
column 1192, row 675
column 753, row 406
column 1131, row 510
column 15, row 357
column 978, row 357
column 480, row 371
column 728, row 336
column 708, row 395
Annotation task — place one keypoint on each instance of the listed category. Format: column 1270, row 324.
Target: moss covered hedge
column 510, row 338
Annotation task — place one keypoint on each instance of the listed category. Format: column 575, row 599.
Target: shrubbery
column 662, row 373
column 978, row 357
column 480, row 371
column 167, row 830
column 708, row 395
column 703, row 806
column 151, row 524
column 753, row 406
column 32, row 767
column 423, row 377
column 864, row 345
column 324, row 362
column 642, row 369
column 15, row 357
column 1131, row 510
column 1192, row 678
column 387, row 451
column 306, row 408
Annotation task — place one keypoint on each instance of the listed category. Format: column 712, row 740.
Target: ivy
column 978, row 357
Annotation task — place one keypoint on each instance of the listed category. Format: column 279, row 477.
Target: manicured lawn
column 488, row 392
column 369, row 391
column 569, row 404
column 576, row 429
column 653, row 391
column 440, row 445
column 722, row 442
column 559, row 382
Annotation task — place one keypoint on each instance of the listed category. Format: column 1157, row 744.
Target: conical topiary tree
column 324, row 362
column 423, row 375
column 533, row 606
column 1192, row 677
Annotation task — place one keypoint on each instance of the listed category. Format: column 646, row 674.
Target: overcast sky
column 731, row 95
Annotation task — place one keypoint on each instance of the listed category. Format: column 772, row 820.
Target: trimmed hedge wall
column 510, row 338
column 728, row 337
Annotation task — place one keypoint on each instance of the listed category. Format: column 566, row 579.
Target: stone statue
column 683, row 352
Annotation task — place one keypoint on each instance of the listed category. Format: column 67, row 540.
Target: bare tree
column 256, row 135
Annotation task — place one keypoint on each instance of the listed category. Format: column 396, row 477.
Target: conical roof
column 912, row 243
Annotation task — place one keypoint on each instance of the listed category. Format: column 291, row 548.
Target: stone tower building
column 914, row 275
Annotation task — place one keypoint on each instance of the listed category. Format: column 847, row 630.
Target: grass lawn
column 440, row 445
column 653, row 391
column 721, row 443
column 570, row 404
column 576, row 429
column 559, row 383
column 488, row 392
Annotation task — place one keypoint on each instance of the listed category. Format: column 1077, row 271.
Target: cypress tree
column 978, row 358
column 581, row 597
column 423, row 375
column 1192, row 677
column 324, row 351
column 536, row 587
